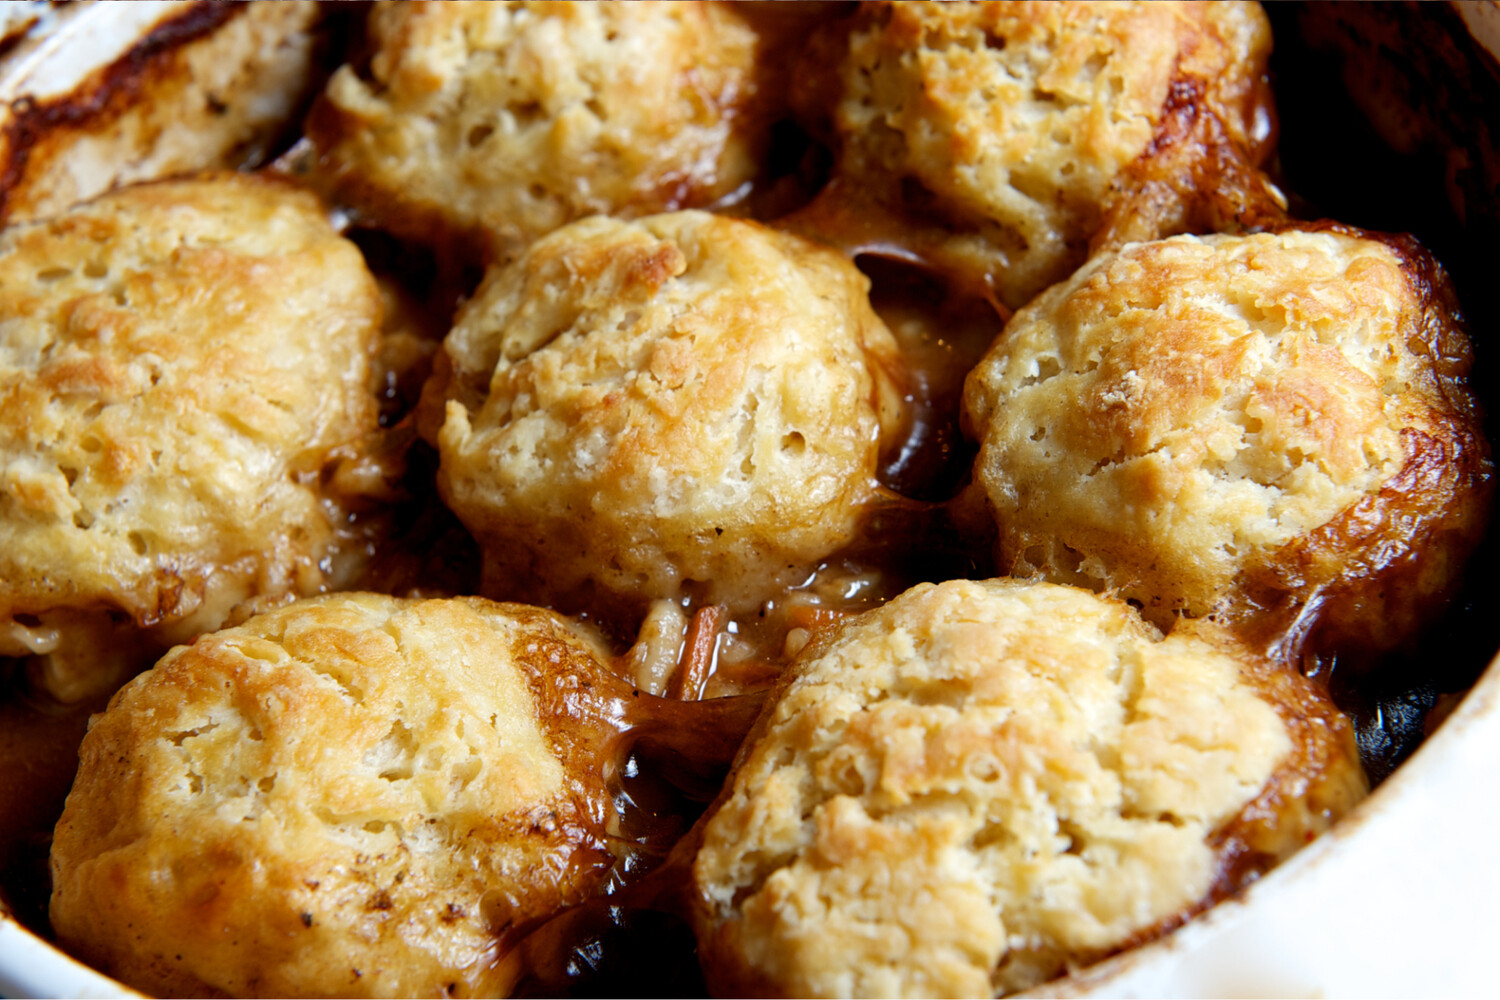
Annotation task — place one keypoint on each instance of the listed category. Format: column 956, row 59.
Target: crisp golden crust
column 514, row 118
column 980, row 785
column 1219, row 424
column 1014, row 123
column 178, row 364
column 354, row 795
column 214, row 88
column 636, row 405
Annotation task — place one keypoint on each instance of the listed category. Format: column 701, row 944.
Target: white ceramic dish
column 1396, row 901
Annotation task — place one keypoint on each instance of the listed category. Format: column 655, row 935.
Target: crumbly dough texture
column 982, row 784
column 635, row 405
column 349, row 796
column 1205, row 424
column 515, row 118
column 178, row 363
column 1016, row 122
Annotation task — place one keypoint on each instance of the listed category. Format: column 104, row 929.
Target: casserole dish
column 1292, row 931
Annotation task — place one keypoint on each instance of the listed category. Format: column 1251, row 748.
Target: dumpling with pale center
column 982, row 785
column 503, row 121
column 1273, row 426
column 682, row 405
column 996, row 140
column 184, row 368
column 354, row 795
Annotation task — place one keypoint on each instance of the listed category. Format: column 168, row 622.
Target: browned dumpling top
column 1223, row 423
column 353, row 795
column 514, row 118
column 179, row 364
column 982, row 784
column 1013, row 124
column 681, row 401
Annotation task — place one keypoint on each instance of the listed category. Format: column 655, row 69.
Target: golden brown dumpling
column 1221, row 424
column 353, row 795
column 982, row 784
column 684, row 401
column 1001, row 132
column 514, row 118
column 180, row 365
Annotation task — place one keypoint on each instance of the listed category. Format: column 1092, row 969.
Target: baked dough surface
column 515, row 118
column 1207, row 424
column 1014, row 123
column 978, row 786
column 682, row 399
column 353, row 795
column 179, row 362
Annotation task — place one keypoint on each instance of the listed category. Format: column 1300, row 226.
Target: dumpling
column 1001, row 136
column 354, row 795
column 982, row 785
column 510, row 119
column 683, row 405
column 1241, row 425
column 183, row 365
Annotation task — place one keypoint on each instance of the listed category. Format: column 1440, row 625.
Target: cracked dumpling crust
column 983, row 784
column 179, row 364
column 514, row 118
column 353, row 795
column 637, row 405
column 1017, row 122
column 1220, row 424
